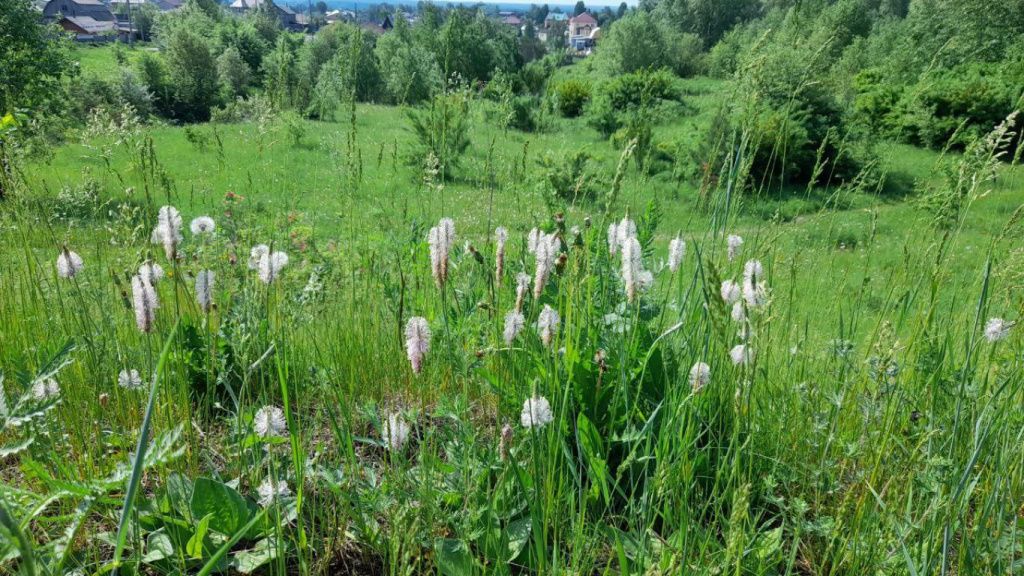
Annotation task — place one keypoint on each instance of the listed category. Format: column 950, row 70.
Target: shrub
column 522, row 113
column 642, row 88
column 640, row 41
column 962, row 104
column 571, row 96
column 233, row 72
column 571, row 177
column 442, row 129
column 601, row 116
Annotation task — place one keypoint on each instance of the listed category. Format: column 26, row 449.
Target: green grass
column 875, row 431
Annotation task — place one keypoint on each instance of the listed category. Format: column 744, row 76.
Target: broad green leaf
column 247, row 561
column 227, row 507
column 518, row 535
column 158, row 547
column 194, row 548
column 453, row 557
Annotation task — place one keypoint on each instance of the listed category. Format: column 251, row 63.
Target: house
column 285, row 15
column 87, row 28
column 580, row 29
column 121, row 6
column 333, row 16
column 554, row 17
column 94, row 10
column 511, row 20
column 385, row 26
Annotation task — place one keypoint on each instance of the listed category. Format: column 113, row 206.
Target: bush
column 601, row 116
column 640, row 41
column 442, row 129
column 522, row 113
column 571, row 96
column 962, row 104
column 642, row 88
column 571, row 177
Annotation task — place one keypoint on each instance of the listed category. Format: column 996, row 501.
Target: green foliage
column 191, row 75
column 641, row 41
column 644, row 88
column 32, row 59
column 571, row 96
column 442, row 129
column 409, row 72
column 233, row 72
column 570, row 178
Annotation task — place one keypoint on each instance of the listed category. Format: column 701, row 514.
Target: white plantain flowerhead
column 417, row 342
column 68, row 264
column 997, row 329
column 730, row 292
column 700, row 376
column 270, row 265
column 514, row 323
column 676, row 251
column 733, row 245
column 151, row 272
column 129, row 379
column 741, row 354
column 395, row 433
column 536, row 413
column 204, row 290
column 500, row 237
column 145, row 302
column 269, row 422
column 271, row 491
column 168, row 230
column 547, row 325
column 441, row 239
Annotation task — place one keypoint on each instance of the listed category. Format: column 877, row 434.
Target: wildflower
column 645, row 280
column 271, row 264
column 734, row 243
column 202, row 225
column 730, row 292
column 676, row 251
column 145, row 302
column 532, row 239
column 546, row 252
column 441, row 239
column 505, row 443
column 631, row 266
column 151, row 272
column 396, row 433
column 129, row 379
column 547, row 324
column 700, row 375
column 522, row 287
column 536, row 412
column 997, row 329
column 625, row 230
column 417, row 342
column 500, row 237
column 68, row 264
column 168, row 230
column 741, row 354
column 44, row 388
column 753, row 270
column 269, row 422
column 739, row 314
column 613, row 239
column 272, row 490
column 204, row 289
column 256, row 254
column 514, row 323
column 755, row 294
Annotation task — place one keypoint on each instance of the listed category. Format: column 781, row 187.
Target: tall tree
column 32, row 60
column 580, row 8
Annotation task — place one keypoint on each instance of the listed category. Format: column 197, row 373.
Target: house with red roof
column 581, row 29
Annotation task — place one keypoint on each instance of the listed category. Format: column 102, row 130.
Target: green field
column 874, row 428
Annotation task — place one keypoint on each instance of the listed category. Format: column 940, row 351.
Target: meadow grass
column 874, row 429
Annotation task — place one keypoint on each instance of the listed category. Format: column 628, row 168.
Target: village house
column 88, row 20
column 582, row 31
column 386, row 25
column 121, row 6
column 285, row 15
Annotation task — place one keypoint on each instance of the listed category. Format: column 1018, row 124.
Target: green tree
column 233, row 72
column 32, row 59
column 640, row 41
column 409, row 72
column 580, row 8
column 192, row 75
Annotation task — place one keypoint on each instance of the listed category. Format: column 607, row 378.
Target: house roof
column 511, row 20
column 556, row 16
column 91, row 25
column 584, row 18
column 77, row 8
